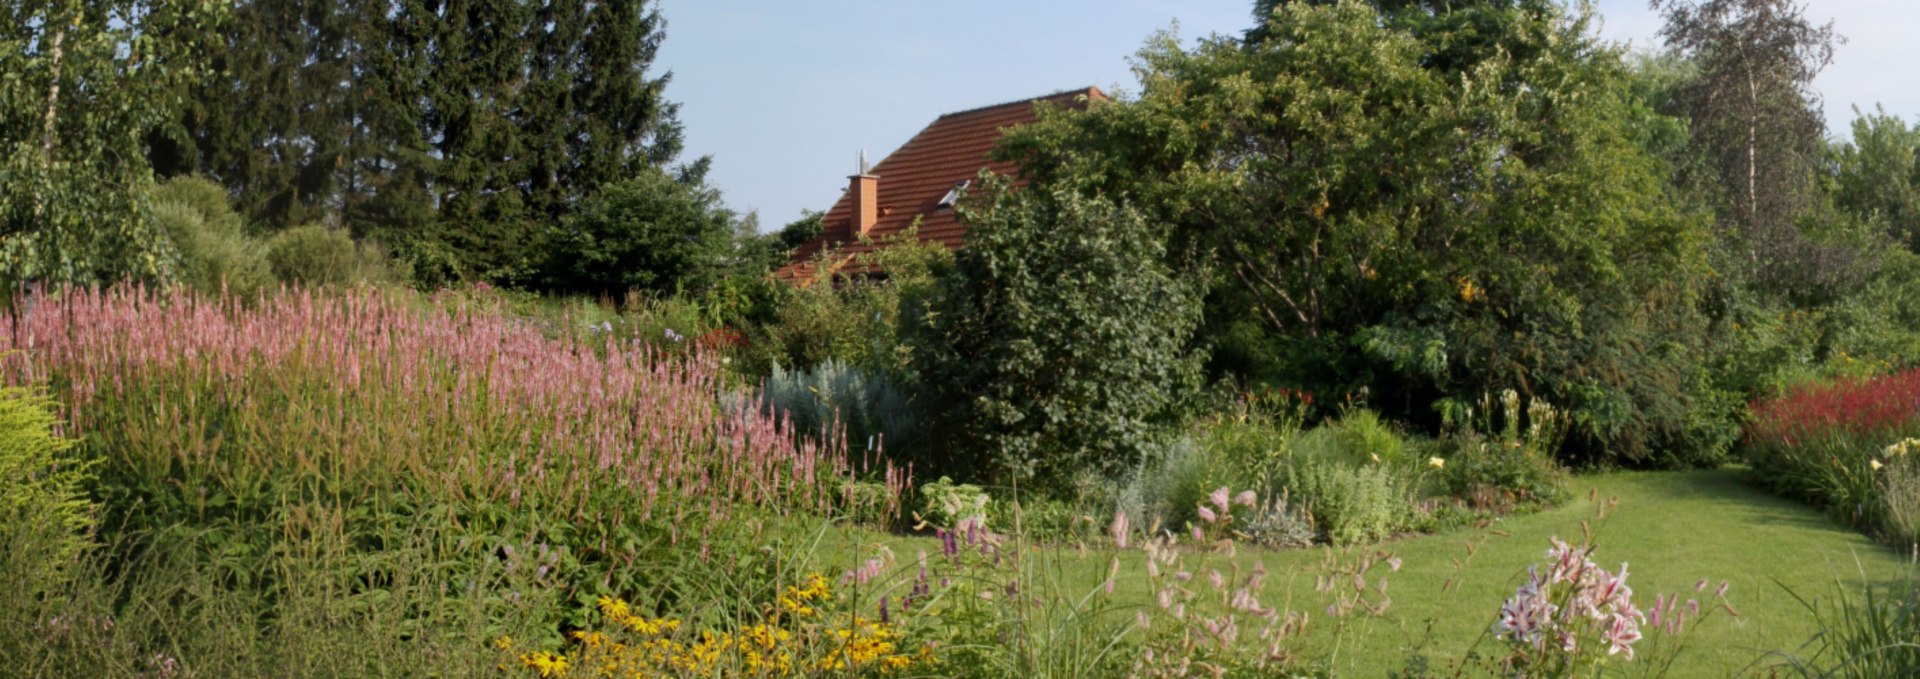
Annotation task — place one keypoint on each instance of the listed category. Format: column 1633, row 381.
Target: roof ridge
column 1089, row 91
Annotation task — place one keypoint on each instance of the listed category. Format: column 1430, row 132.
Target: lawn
column 1673, row 528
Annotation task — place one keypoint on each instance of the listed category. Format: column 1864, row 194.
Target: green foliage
column 1755, row 120
column 1279, row 523
column 1168, row 484
column 1481, row 216
column 855, row 318
column 1876, row 174
column 213, row 247
column 83, row 82
column 315, row 255
column 946, row 504
column 1059, row 344
column 1351, row 503
column 651, row 233
column 44, row 514
column 1870, row 632
column 834, row 399
column 1364, row 435
column 470, row 129
column 331, row 609
column 1501, row 451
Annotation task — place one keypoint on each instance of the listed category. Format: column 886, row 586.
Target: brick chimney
column 865, row 189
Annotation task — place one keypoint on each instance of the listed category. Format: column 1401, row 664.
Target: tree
column 80, row 84
column 1426, row 205
column 651, row 233
column 1058, row 344
column 1755, row 116
column 1876, row 176
column 457, row 131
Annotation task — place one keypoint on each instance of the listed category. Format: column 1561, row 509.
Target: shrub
column 949, row 504
column 801, row 632
column 1502, row 449
column 1364, row 435
column 1280, row 523
column 1350, row 503
column 851, row 314
column 651, row 232
column 209, row 238
column 833, row 400
column 44, row 514
column 1900, row 486
column 1060, row 341
column 1166, row 486
column 315, row 255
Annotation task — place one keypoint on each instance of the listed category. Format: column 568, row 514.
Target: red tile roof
column 915, row 177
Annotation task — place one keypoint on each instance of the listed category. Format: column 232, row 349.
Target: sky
column 784, row 95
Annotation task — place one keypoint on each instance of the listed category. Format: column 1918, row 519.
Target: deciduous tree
column 1426, row 203
column 81, row 82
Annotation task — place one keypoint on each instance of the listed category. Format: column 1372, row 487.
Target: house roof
column 915, row 177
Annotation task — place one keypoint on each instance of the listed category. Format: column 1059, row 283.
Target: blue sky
column 783, row 95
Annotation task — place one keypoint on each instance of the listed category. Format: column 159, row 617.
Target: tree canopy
column 80, row 84
column 458, row 132
column 1419, row 204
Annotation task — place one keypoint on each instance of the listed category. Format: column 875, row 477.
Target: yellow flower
column 1437, row 462
column 549, row 664
column 1876, row 464
column 1468, row 291
column 615, row 609
column 503, row 643
column 895, row 662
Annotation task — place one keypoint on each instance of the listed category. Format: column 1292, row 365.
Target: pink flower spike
column 1207, row 514
column 1221, row 497
column 1247, row 499
column 1120, row 530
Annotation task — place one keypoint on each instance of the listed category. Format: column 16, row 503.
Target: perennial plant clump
column 1848, row 446
column 354, row 413
column 468, row 401
column 1574, row 616
column 801, row 633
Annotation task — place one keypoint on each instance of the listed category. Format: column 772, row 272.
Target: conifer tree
column 459, row 131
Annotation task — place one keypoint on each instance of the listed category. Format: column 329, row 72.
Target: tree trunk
column 53, row 107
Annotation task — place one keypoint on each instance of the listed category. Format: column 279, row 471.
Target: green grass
column 1674, row 528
